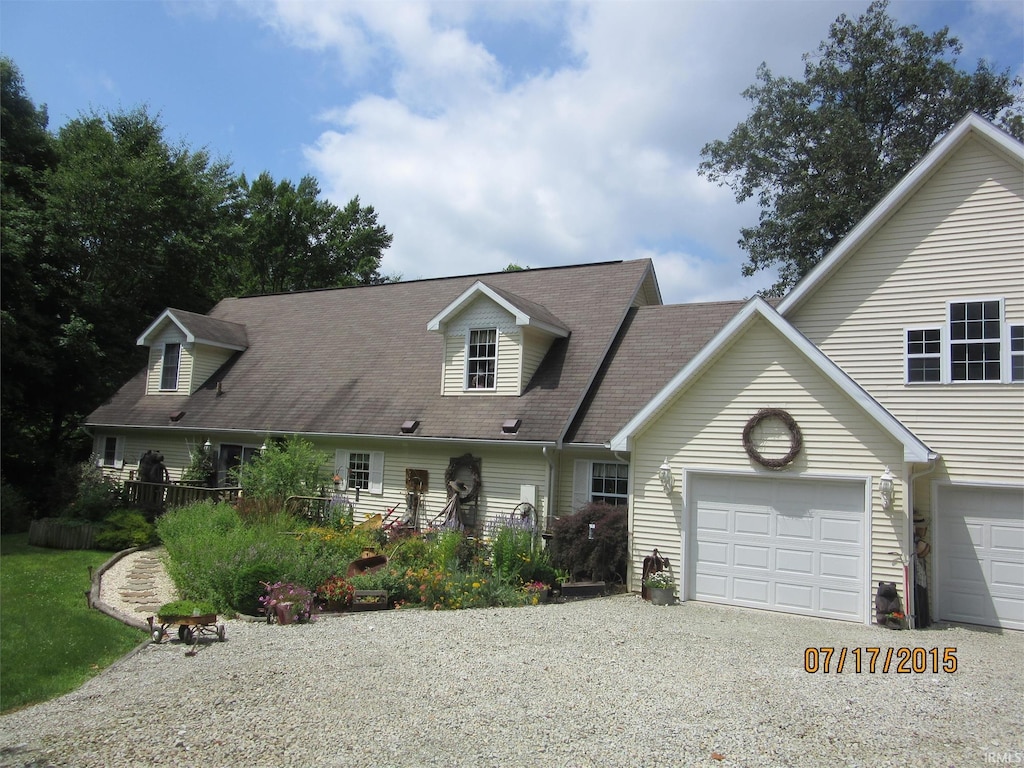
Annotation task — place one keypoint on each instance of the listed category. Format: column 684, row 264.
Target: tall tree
column 294, row 240
column 26, row 309
column 821, row 151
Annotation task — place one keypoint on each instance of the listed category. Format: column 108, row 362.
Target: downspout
column 912, row 559
column 552, row 506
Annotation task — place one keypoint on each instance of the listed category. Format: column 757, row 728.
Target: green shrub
column 292, row 467
column 125, row 529
column 603, row 558
column 95, row 495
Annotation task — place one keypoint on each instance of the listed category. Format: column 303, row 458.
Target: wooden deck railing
column 161, row 496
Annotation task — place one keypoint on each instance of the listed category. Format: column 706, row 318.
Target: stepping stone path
column 139, row 589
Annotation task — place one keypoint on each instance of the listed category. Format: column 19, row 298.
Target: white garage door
column 796, row 546
column 979, row 551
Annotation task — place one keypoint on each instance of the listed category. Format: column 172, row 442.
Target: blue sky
column 483, row 133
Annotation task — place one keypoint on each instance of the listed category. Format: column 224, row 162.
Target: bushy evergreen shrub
column 125, row 529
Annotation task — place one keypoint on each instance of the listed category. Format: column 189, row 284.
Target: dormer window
column 170, row 366
column 481, row 358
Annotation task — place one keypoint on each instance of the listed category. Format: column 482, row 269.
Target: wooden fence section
column 56, row 534
column 160, row 496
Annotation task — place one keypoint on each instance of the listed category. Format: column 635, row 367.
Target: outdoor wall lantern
column 886, row 485
column 263, row 448
column 665, row 475
column 207, row 446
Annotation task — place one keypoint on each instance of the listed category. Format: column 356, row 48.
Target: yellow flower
column 476, row 585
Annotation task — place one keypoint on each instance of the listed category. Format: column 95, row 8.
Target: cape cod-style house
column 868, row 428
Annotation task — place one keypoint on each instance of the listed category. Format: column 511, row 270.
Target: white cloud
column 591, row 161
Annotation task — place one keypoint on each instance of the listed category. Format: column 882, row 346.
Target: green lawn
column 50, row 641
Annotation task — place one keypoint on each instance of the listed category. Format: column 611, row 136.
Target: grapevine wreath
column 796, row 438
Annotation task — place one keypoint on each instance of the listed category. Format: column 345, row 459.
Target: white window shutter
column 97, row 449
column 119, row 453
column 580, row 483
column 341, row 468
column 376, row 472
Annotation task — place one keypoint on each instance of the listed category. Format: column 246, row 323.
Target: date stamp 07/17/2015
column 904, row 661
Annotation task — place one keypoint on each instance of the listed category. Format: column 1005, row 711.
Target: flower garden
column 247, row 562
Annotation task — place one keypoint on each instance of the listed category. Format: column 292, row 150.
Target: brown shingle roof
column 361, row 360
column 654, row 344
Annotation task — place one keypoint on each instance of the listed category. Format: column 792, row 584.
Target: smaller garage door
column 796, row 546
column 980, row 556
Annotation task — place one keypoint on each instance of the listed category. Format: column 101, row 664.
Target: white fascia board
column 143, row 340
column 897, row 196
column 478, row 288
column 913, row 449
column 168, row 314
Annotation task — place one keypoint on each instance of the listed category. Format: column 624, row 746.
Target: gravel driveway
column 606, row 682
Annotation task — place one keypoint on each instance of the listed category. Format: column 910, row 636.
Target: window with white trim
column 1017, row 353
column 170, row 365
column 359, row 470
column 974, row 346
column 975, row 335
column 109, row 451
column 481, row 358
column 924, row 355
column 600, row 481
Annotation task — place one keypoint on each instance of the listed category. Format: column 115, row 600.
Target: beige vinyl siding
column 502, row 471
column 702, row 430
column 960, row 237
column 535, row 346
column 206, row 361
column 481, row 314
column 169, row 335
column 175, row 449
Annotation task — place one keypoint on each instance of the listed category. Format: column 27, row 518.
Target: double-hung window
column 975, row 334
column 109, row 451
column 169, row 366
column 974, row 345
column 481, row 358
column 924, row 355
column 606, row 481
column 359, row 470
column 1017, row 353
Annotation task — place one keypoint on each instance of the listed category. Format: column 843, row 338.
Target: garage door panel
column 794, row 561
column 712, row 586
column 980, row 555
column 796, row 597
column 713, row 553
column 795, row 527
column 713, row 520
column 1005, row 538
column 748, row 556
column 782, row 546
column 1009, row 609
column 841, row 530
column 840, row 603
column 753, row 523
column 1006, row 574
column 754, row 592
column 840, row 566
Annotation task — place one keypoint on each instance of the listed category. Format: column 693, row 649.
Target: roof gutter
column 333, row 435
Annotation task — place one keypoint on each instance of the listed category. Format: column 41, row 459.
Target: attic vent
column 408, row 427
column 511, row 426
column 177, row 416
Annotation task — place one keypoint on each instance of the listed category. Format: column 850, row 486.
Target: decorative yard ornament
column 764, row 429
